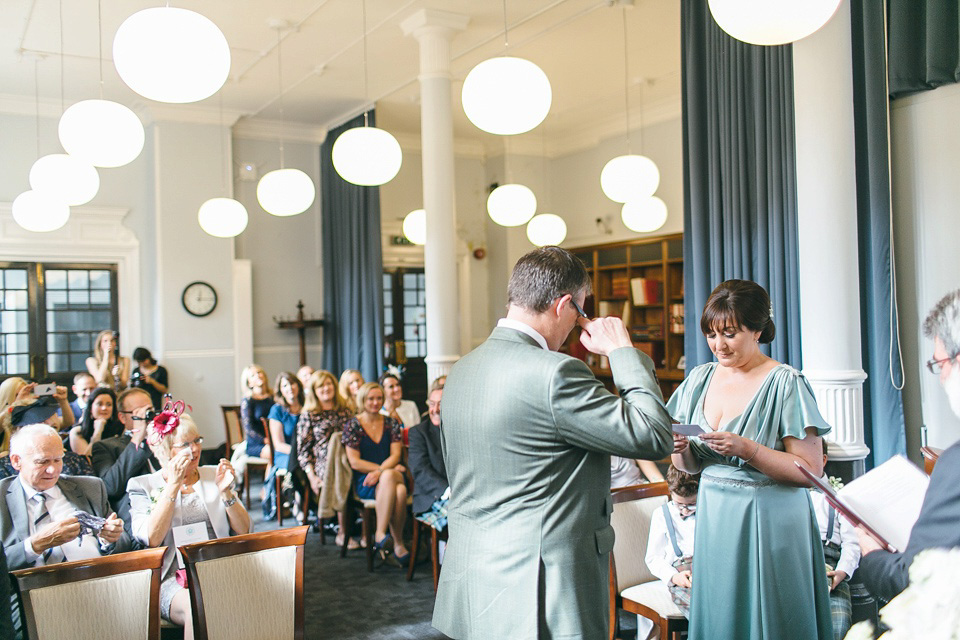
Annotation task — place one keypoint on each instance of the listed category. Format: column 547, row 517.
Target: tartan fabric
column 436, row 517
column 841, row 610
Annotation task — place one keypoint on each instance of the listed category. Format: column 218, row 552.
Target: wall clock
column 199, row 298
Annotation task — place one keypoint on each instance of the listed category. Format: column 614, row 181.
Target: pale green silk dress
column 757, row 563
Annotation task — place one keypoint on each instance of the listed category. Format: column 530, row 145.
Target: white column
column 827, row 226
column 433, row 29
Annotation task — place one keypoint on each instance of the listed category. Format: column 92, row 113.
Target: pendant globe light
column 511, row 205
column 631, row 176
column 506, row 95
column 222, row 217
column 74, row 181
column 648, row 214
column 39, row 212
column 415, row 226
column 546, row 229
column 366, row 156
column 772, row 22
column 101, row 132
column 284, row 192
column 171, row 55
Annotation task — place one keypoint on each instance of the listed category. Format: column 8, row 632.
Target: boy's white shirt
column 660, row 554
column 844, row 533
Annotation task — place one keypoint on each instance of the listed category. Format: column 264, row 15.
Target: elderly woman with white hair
column 182, row 493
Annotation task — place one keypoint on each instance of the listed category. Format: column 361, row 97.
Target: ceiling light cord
column 280, row 89
column 100, row 43
column 36, row 96
column 626, row 80
column 61, row 57
column 506, row 39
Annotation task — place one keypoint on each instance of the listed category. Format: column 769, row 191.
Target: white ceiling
column 578, row 43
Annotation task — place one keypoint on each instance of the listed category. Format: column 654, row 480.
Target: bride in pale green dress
column 758, row 562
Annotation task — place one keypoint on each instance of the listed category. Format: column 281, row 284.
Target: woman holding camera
column 149, row 376
column 106, row 365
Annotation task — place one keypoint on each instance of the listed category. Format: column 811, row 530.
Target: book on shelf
column 643, row 332
column 619, row 286
column 646, row 290
column 676, row 318
column 610, row 309
column 885, row 501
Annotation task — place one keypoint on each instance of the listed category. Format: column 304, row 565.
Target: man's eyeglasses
column 579, row 311
column 432, row 404
column 183, row 445
column 935, row 365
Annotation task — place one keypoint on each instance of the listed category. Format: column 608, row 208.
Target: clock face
column 199, row 299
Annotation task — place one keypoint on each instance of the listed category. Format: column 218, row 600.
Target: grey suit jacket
column 885, row 574
column 84, row 492
column 527, row 437
column 116, row 461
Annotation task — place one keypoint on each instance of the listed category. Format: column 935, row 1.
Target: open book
column 885, row 501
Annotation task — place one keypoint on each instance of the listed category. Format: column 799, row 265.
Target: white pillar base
column 439, row 366
column 839, row 395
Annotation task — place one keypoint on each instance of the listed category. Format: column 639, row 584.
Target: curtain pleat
column 352, row 267
column 924, row 44
column 740, row 207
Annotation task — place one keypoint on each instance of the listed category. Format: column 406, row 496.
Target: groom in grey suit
column 527, row 438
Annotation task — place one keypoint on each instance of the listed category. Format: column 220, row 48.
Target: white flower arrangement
column 928, row 609
column 154, row 497
column 835, row 483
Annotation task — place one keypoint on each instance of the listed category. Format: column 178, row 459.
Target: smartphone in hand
column 45, row 389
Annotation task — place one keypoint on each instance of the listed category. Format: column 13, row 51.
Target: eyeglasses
column 184, row 445
column 579, row 311
column 935, row 365
column 432, row 404
column 686, row 509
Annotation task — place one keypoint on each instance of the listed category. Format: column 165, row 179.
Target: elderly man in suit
column 127, row 455
column 527, row 437
column 886, row 574
column 426, row 456
column 38, row 522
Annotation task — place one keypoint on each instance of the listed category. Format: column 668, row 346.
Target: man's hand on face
column 55, row 534
column 603, row 335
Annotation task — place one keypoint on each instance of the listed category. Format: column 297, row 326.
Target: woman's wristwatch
column 229, row 502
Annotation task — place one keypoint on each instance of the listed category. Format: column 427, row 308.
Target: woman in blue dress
column 374, row 445
column 282, row 422
column 758, row 568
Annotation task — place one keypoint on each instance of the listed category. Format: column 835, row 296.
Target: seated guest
column 39, row 521
column 99, row 421
column 350, row 382
column 374, row 449
column 885, row 574
column 149, row 375
column 626, row 472
column 83, row 386
column 670, row 542
column 127, row 455
column 430, row 486
column 254, row 409
column 841, row 551
column 182, row 493
column 303, row 375
column 324, row 415
column 403, row 411
column 13, row 389
column 40, row 411
column 20, row 393
column 106, row 365
column 282, row 420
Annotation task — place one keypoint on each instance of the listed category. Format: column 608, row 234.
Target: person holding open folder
column 760, row 567
column 885, row 574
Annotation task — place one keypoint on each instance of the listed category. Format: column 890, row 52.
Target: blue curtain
column 739, row 182
column 924, row 43
column 352, row 267
column 885, row 432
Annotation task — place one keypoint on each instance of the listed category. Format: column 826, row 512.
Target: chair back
column 116, row 596
column 233, row 430
column 232, row 579
column 632, row 509
column 267, row 438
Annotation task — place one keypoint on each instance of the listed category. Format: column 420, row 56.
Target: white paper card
column 188, row 534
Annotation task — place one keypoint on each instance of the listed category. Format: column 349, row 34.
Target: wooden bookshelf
column 641, row 281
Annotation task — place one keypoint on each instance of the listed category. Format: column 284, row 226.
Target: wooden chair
column 231, row 579
column 435, row 537
column 116, row 596
column 369, row 524
column 632, row 586
column 930, row 457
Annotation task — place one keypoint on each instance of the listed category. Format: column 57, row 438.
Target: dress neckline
column 746, row 408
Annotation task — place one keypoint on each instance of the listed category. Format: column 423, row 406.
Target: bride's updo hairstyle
column 739, row 304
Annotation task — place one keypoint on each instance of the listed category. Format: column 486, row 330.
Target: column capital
column 434, row 22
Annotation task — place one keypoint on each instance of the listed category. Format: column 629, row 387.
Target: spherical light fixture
column 367, row 156
column 546, row 229
column 415, row 226
column 286, row 192
column 506, row 96
column 40, row 212
column 644, row 215
column 66, row 178
column 101, row 132
column 222, row 217
column 511, row 205
column 629, row 177
column 771, row 22
column 171, row 55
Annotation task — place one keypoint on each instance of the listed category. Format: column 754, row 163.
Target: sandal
column 381, row 546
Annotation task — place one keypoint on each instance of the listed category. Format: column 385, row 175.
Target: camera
column 136, row 379
column 148, row 416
